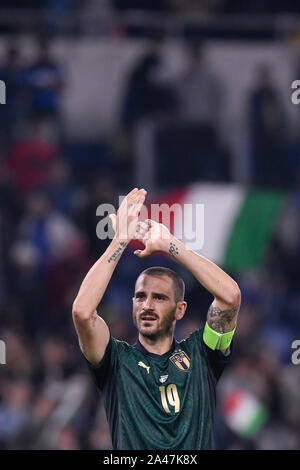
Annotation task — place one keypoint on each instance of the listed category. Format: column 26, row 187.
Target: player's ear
column 180, row 309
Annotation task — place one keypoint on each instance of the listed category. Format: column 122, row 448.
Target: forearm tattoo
column 117, row 253
column 173, row 250
column 218, row 319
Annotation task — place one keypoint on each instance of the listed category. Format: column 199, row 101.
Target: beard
column 163, row 328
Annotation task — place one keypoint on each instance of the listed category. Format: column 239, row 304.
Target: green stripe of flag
column 257, row 421
column 252, row 229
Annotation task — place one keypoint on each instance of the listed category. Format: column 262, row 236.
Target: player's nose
column 148, row 303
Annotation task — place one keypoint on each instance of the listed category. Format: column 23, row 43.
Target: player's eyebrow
column 155, row 294
column 139, row 293
column 164, row 296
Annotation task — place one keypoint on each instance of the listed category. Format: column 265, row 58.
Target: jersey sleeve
column 103, row 372
column 216, row 360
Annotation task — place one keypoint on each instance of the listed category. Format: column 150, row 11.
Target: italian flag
column 236, row 223
column 243, row 413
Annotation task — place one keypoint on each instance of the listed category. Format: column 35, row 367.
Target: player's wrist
column 120, row 242
column 170, row 245
column 123, row 235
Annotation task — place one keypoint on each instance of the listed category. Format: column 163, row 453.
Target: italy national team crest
column 181, row 360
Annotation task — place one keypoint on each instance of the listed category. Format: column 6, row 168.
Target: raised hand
column 155, row 237
column 126, row 220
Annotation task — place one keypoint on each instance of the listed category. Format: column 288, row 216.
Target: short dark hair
column 179, row 286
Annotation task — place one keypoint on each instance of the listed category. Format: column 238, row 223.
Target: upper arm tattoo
column 218, row 319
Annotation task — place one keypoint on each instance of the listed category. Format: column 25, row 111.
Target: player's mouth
column 148, row 317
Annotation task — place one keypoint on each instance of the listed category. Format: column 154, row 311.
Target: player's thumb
column 141, row 253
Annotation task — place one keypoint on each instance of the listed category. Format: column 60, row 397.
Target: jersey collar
column 138, row 345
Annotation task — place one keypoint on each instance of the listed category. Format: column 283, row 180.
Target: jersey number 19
column 169, row 396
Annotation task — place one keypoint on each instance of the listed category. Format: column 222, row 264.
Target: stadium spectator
column 145, row 97
column 29, row 159
column 64, row 194
column 45, row 81
column 199, row 90
column 14, row 409
column 268, row 133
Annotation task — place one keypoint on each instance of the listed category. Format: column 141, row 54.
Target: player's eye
column 140, row 296
column 159, row 297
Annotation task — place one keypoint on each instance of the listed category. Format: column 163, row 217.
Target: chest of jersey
column 162, row 385
column 160, row 402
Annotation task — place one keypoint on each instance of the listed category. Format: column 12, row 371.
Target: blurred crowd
column 141, row 18
column 50, row 188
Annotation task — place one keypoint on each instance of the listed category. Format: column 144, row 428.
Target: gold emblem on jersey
column 181, row 360
column 141, row 364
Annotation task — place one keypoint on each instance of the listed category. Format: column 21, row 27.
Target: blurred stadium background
column 181, row 99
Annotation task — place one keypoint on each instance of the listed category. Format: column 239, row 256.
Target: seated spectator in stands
column 18, row 353
column 53, row 235
column 15, row 409
column 45, row 81
column 55, row 13
column 60, row 189
column 199, row 89
column 30, row 159
column 48, row 257
column 27, row 287
column 268, row 144
column 145, row 97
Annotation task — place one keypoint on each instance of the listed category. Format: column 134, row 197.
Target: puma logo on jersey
column 144, row 365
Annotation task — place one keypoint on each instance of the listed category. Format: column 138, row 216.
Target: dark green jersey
column 160, row 401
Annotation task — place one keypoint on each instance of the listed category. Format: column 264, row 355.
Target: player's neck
column 157, row 346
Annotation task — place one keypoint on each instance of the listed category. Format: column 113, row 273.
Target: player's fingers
column 138, row 231
column 139, row 236
column 132, row 202
column 129, row 198
column 113, row 219
column 142, row 226
column 134, row 210
column 136, row 194
column 151, row 223
column 132, row 192
column 139, row 205
column 154, row 228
